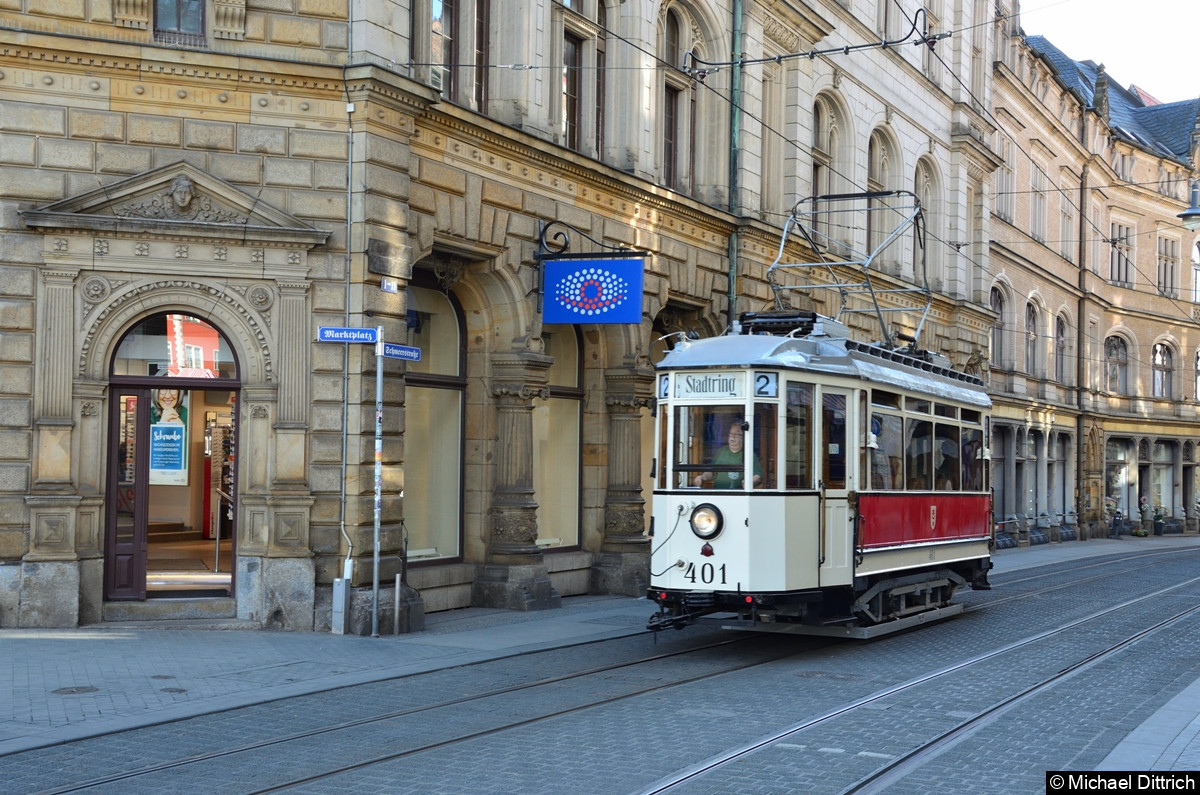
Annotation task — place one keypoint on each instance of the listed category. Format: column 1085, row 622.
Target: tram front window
column 711, row 445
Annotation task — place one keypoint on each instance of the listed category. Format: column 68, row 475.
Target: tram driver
column 731, row 454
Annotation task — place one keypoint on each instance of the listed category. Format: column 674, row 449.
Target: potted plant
column 1159, row 514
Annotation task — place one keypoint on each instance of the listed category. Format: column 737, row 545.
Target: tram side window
column 833, row 434
column 945, row 457
column 918, row 448
column 766, row 441
column 662, row 449
column 887, row 459
column 799, row 436
column 972, row 460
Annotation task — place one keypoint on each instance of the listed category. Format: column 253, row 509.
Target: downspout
column 348, row 566
column 1080, row 359
column 735, row 128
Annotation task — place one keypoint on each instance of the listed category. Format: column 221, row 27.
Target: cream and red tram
column 859, row 502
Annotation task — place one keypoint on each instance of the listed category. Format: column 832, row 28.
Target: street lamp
column 1191, row 216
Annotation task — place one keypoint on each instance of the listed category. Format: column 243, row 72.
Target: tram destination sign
column 710, row 385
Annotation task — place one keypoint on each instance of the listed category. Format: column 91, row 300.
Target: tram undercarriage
column 881, row 606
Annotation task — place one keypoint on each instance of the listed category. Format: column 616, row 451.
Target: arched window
column 1163, row 368
column 880, row 161
column 678, row 120
column 928, row 191
column 1060, row 350
column 557, row 424
column 1031, row 340
column 997, row 306
column 435, row 389
column 827, row 168
column 1116, row 365
column 1196, row 396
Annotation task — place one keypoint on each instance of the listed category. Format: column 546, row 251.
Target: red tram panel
column 888, row 520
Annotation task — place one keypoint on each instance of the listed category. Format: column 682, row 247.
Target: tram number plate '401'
column 707, row 573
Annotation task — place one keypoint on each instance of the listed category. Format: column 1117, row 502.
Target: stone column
column 622, row 566
column 291, row 423
column 515, row 576
column 53, row 399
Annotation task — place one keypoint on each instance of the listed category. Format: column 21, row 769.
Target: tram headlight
column 706, row 521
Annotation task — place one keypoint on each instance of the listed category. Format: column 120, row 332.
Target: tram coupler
column 663, row 620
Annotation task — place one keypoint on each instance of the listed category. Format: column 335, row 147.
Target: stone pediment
column 178, row 200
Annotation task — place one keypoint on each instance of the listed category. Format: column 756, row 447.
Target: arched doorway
column 171, row 483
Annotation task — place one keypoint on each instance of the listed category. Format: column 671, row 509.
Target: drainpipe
column 735, row 127
column 1080, row 363
column 348, row 566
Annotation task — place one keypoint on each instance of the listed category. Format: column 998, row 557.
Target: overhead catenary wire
column 697, row 68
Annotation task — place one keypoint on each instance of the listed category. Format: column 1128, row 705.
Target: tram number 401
column 707, row 573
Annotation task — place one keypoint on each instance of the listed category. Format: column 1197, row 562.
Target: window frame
column 180, row 35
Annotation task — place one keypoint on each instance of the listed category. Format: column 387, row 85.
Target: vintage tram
column 810, row 483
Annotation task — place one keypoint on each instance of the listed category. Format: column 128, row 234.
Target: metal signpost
column 373, row 336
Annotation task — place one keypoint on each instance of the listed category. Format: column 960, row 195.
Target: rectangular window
column 193, row 356
column 833, row 441
column 887, row 457
column 799, row 436
column 946, row 450
column 1037, row 203
column 1066, row 225
column 571, row 106
column 1120, row 258
column 179, row 20
column 1005, row 182
column 972, row 463
column 918, row 456
column 601, row 88
column 482, row 22
column 1168, row 266
column 444, row 37
column 671, row 137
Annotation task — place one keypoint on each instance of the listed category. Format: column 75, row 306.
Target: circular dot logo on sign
column 591, row 291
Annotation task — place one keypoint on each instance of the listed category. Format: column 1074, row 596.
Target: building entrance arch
column 171, row 481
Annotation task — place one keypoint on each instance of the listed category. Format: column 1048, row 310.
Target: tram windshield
column 711, row 444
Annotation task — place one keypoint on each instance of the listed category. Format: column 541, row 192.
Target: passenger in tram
column 731, row 454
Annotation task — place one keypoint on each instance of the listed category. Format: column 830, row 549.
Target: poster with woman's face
column 169, row 437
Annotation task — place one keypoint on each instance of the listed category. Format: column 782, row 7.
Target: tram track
column 904, row 765
column 993, row 601
column 896, row 769
column 276, row 744
column 280, row 745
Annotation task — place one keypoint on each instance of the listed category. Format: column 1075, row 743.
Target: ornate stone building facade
column 1093, row 365
column 193, row 197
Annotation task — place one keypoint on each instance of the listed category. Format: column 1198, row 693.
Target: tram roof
column 830, row 355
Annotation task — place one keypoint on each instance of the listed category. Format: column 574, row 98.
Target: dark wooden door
column 128, row 495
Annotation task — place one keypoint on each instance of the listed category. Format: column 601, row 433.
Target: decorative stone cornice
column 522, row 391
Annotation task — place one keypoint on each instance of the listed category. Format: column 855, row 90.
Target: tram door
column 128, row 474
column 837, row 460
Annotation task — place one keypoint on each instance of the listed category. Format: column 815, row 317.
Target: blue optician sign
column 335, row 334
column 592, row 290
